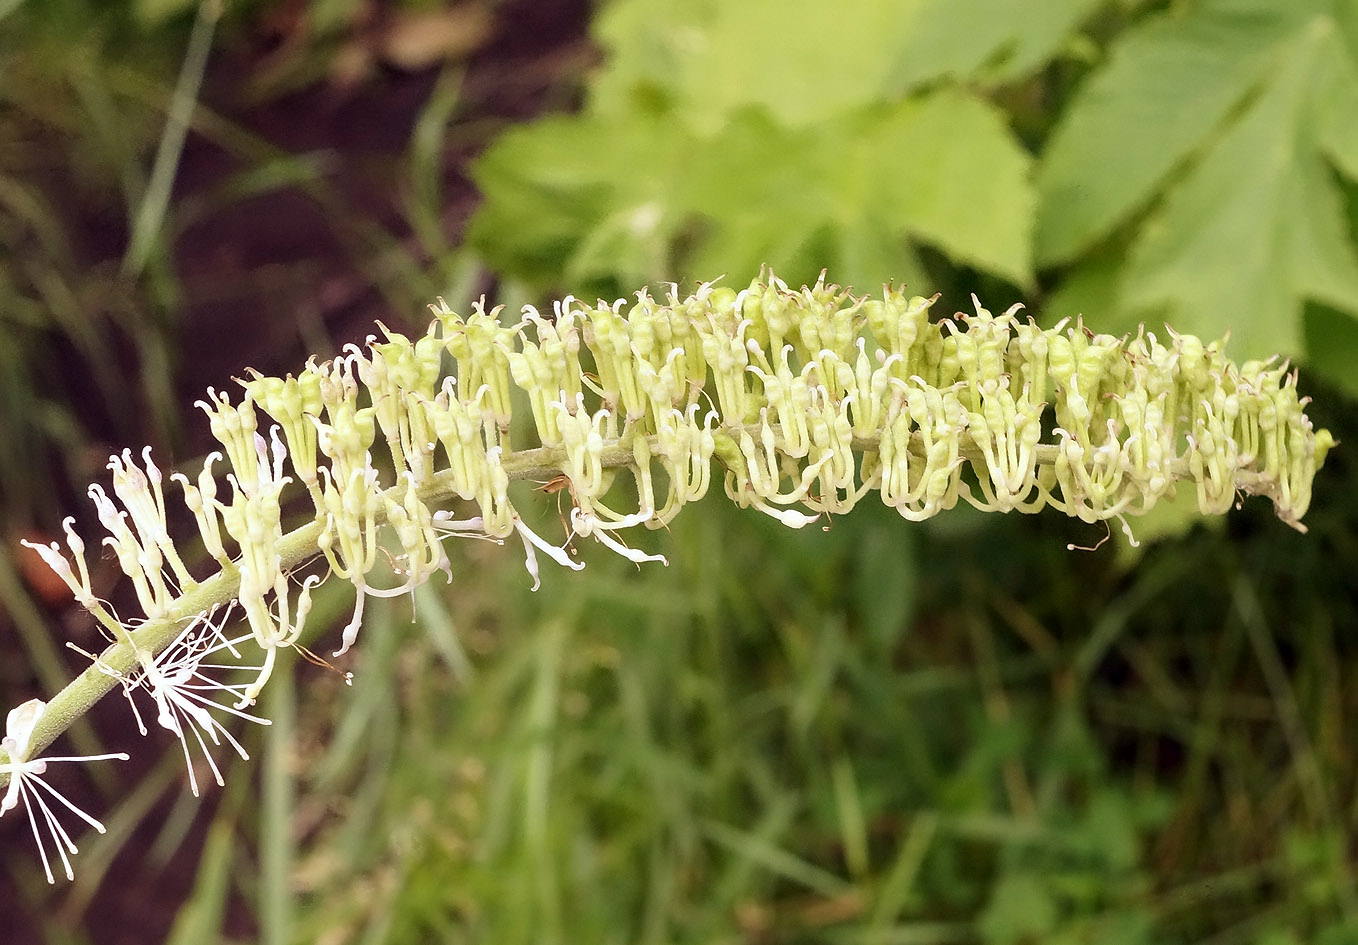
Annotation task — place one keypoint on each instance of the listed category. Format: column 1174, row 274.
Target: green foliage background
column 882, row 732
column 1193, row 164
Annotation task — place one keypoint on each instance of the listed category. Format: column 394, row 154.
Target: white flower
column 589, row 525
column 532, row 538
column 177, row 681
column 25, row 779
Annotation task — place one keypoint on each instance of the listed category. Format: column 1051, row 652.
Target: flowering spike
column 808, row 400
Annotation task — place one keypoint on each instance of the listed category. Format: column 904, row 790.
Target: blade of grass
column 150, row 216
column 424, row 208
column 760, row 850
column 537, row 776
column 437, row 623
column 200, row 918
column 853, row 832
column 895, row 889
column 1317, row 796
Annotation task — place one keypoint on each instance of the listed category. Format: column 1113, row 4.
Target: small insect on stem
column 556, row 484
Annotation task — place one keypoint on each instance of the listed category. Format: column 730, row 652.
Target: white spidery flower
column 178, row 682
column 25, row 782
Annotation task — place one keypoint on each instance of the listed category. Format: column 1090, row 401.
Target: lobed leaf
column 853, row 194
column 1254, row 254
column 800, row 60
column 724, row 137
column 1165, row 89
column 1228, row 122
column 994, row 40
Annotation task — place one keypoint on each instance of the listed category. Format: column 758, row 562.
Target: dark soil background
column 258, row 271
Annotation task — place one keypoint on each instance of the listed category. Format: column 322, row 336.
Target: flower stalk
column 800, row 403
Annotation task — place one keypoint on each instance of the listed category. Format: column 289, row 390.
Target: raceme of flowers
column 809, row 401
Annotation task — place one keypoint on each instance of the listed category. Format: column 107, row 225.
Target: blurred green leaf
column 997, row 40
column 941, row 169
column 801, row 60
column 723, row 137
column 1089, row 290
column 1332, row 345
column 1122, row 927
column 1111, row 829
column 1020, row 909
column 151, row 13
column 575, row 189
column 1255, row 252
column 805, row 61
column 884, row 577
column 955, row 177
column 1253, row 107
column 1166, row 87
column 1340, row 932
